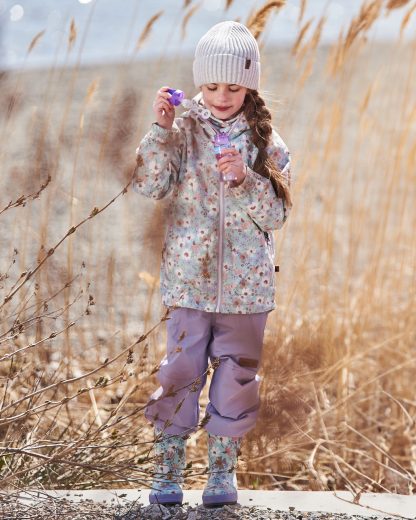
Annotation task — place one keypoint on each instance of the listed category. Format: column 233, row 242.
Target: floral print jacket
column 218, row 254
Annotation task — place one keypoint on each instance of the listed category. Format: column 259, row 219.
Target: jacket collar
column 236, row 125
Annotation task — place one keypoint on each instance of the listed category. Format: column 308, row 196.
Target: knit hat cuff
column 226, row 68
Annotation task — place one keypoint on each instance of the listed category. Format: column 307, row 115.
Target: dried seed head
column 72, row 34
column 257, row 21
column 35, row 40
column 188, row 16
column 146, row 31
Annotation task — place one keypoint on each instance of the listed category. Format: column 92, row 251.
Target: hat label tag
column 248, row 63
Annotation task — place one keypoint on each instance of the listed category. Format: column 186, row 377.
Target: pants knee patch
column 234, row 389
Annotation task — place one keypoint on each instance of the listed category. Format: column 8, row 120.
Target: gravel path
column 52, row 509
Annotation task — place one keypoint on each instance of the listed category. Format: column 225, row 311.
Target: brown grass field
column 81, row 323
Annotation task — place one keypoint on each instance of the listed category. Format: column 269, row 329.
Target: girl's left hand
column 232, row 162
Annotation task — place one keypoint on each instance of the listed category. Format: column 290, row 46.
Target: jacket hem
column 170, row 301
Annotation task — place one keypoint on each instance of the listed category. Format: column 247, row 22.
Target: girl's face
column 222, row 99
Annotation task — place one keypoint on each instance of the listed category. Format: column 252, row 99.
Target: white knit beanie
column 227, row 53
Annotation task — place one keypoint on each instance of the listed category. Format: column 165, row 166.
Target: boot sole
column 171, row 499
column 219, row 500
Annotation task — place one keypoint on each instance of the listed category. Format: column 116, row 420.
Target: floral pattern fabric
column 222, row 482
column 180, row 163
column 169, row 463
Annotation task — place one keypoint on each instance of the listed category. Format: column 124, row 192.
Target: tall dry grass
column 81, row 325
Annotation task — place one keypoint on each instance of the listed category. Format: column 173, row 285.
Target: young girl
column 217, row 272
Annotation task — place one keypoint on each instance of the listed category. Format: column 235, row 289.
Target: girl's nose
column 222, row 95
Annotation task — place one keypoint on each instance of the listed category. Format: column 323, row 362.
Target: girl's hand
column 232, row 163
column 165, row 112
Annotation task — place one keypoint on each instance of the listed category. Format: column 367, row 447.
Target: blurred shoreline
column 68, row 29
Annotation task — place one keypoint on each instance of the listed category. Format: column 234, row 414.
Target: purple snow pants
column 193, row 337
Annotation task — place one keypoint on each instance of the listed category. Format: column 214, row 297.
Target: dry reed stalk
column 310, row 48
column 302, row 10
column 366, row 99
column 368, row 14
column 118, row 129
column 406, row 19
column 300, row 36
column 336, row 57
column 396, row 4
column 97, row 414
column 72, row 34
column 187, row 17
column 91, row 91
column 258, row 20
column 147, row 29
column 35, row 41
column 228, row 4
column 316, row 36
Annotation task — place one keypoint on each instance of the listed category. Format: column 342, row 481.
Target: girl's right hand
column 165, row 111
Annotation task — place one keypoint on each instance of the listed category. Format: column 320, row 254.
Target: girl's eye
column 212, row 88
column 234, row 90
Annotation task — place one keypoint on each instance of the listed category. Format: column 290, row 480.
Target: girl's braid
column 259, row 119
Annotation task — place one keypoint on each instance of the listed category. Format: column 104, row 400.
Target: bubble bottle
column 222, row 142
column 221, row 139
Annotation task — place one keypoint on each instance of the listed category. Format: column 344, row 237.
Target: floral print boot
column 169, row 458
column 221, row 488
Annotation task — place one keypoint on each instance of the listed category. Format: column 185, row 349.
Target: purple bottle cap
column 176, row 96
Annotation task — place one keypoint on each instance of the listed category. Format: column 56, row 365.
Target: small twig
column 372, row 508
column 45, row 301
column 21, row 201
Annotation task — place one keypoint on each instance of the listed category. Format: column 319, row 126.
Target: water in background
column 108, row 30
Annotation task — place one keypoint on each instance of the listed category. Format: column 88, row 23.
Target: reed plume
column 396, row 4
column 147, row 29
column 301, row 35
column 72, row 34
column 91, row 91
column 302, row 10
column 187, row 17
column 258, row 20
column 368, row 14
column 35, row 41
column 406, row 19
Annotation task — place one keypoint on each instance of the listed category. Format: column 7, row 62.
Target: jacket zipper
column 220, row 247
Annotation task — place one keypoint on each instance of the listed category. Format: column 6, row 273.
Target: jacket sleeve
column 256, row 194
column 158, row 161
